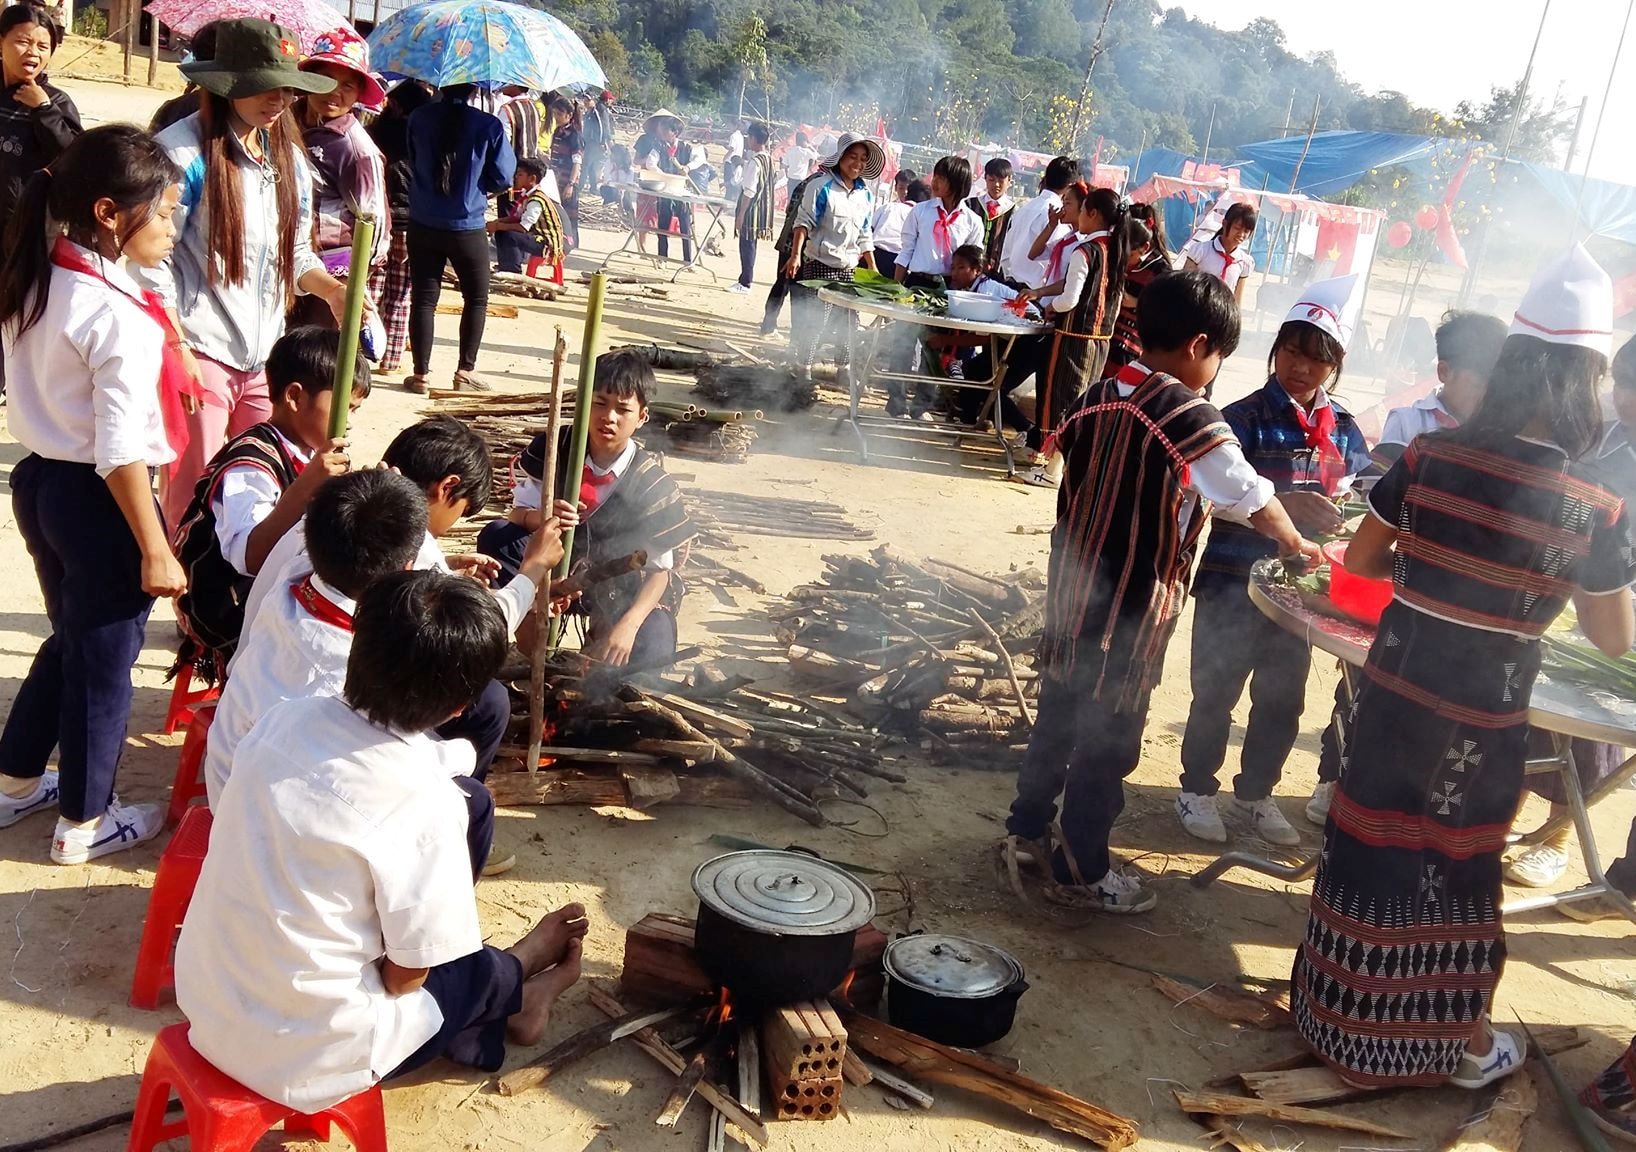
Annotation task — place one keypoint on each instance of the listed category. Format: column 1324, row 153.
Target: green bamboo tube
column 582, row 421
column 346, row 359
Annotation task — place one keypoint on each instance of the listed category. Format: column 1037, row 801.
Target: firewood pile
column 722, row 435
column 922, row 648
column 806, row 1061
column 720, row 515
column 610, row 742
column 768, row 386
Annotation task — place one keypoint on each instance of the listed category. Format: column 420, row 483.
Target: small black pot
column 763, row 967
column 934, row 1004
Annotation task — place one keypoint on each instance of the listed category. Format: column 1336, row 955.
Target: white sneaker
column 1201, row 817
column 122, row 826
column 14, row 808
column 1539, row 867
column 1039, row 478
column 1268, row 821
column 1506, row 1056
column 1318, row 807
column 1123, row 893
column 738, row 289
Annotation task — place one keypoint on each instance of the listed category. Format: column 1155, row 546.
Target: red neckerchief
column 1228, row 259
column 992, row 207
column 942, row 236
column 319, row 606
column 1445, row 419
column 1133, row 375
column 593, row 488
column 174, row 381
column 1059, row 254
column 1319, row 429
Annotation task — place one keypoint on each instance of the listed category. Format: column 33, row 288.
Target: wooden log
column 1010, row 668
column 894, row 1083
column 647, row 786
column 706, row 717
column 741, row 1125
column 498, row 311
column 1318, row 1085
column 568, row 786
column 592, row 1039
column 930, row 1061
column 682, row 1091
column 749, row 1066
column 854, row 1070
column 1227, row 1003
column 803, row 1041
column 1497, row 1123
column 1221, row 1104
column 590, row 575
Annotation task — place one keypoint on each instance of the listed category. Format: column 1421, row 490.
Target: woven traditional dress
column 1079, row 347
column 1404, row 944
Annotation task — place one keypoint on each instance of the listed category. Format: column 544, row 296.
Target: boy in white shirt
column 1468, row 344
column 1029, row 220
column 888, row 223
column 796, row 163
column 333, row 939
column 257, row 486
column 994, row 207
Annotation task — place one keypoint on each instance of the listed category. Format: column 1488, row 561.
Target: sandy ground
column 72, row 1049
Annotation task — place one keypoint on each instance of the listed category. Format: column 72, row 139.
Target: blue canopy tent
column 1334, row 161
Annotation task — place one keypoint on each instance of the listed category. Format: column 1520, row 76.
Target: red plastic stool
column 221, row 1115
column 533, row 268
column 189, row 784
column 184, row 701
column 179, row 867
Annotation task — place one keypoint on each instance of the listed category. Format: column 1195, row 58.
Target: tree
column 1542, row 130
column 749, row 50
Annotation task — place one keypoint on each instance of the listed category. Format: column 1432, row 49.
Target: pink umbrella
column 308, row 19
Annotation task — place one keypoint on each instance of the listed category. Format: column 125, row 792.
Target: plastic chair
column 221, row 1115
column 533, row 267
column 184, row 701
column 179, row 867
column 189, row 784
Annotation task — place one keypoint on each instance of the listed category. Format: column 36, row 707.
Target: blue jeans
column 515, row 248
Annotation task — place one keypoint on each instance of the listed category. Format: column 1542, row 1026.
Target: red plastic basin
column 1360, row 598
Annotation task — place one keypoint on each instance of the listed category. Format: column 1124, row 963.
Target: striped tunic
column 1404, row 944
column 1120, row 554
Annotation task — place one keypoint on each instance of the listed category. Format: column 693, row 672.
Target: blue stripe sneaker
column 44, row 796
column 122, row 826
column 1505, row 1057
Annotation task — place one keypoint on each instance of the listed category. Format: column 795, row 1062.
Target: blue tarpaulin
column 1334, row 162
column 1606, row 209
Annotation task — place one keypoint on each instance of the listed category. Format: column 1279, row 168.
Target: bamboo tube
column 543, row 635
column 582, row 414
column 346, row 358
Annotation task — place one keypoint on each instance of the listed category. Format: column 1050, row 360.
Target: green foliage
column 946, row 72
column 91, row 23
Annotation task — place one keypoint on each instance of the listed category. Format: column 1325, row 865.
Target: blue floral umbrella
column 488, row 42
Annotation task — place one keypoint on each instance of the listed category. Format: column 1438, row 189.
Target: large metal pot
column 775, row 927
column 958, row 992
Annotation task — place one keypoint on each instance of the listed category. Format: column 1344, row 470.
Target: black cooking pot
column 957, row 992
column 776, row 927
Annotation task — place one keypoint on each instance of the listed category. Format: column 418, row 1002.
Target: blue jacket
column 483, row 166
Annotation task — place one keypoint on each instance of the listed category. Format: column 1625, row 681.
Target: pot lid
column 951, row 966
column 789, row 893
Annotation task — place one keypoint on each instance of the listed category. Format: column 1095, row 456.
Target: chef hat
column 1331, row 305
column 1569, row 301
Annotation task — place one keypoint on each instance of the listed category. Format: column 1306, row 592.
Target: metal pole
column 1136, row 168
column 1596, row 132
column 1090, row 66
column 1573, row 142
column 346, row 356
column 1517, row 107
column 1305, row 148
column 1209, row 133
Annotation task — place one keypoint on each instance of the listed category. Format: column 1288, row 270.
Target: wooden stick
column 1221, row 1104
column 682, row 1092
column 1496, row 1126
column 542, row 596
column 854, row 1069
column 892, row 1082
column 582, row 1044
column 706, row 716
column 590, row 575
column 741, row 1125
column 1010, row 668
column 749, row 1066
column 932, row 1061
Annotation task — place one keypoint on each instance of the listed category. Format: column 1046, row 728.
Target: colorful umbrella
column 487, row 42
column 308, row 19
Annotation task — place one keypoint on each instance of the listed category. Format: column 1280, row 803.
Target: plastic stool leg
column 316, row 1126
column 148, row 1123
column 363, row 1119
column 556, row 271
column 172, row 889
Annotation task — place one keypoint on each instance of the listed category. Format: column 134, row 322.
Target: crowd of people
column 170, row 301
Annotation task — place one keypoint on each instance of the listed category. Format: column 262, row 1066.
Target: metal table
column 1559, row 708
column 1002, row 337
column 714, row 206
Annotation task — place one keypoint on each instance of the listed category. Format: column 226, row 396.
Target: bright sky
column 1438, row 52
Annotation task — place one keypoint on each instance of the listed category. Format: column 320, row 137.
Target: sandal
column 416, row 384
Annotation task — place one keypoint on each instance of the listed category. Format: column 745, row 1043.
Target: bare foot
column 540, row 992
column 547, row 941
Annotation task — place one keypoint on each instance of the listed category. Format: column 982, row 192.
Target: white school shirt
column 516, row 599
column 735, row 144
column 245, row 496
column 888, row 225
column 797, row 162
column 1027, row 222
column 526, row 494
column 919, row 252
column 1074, row 276
column 337, row 843
column 749, row 178
column 82, row 385
column 1001, row 206
column 1208, row 255
column 993, row 289
column 1222, row 476
column 1404, row 424
column 838, row 220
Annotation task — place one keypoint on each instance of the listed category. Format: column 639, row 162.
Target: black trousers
column 1233, row 642
column 1332, row 749
column 1081, row 750
column 886, row 263
column 1030, row 356
column 776, row 295
column 76, row 698
column 476, row 994
column 747, row 256
column 483, row 724
column 675, row 211
column 430, row 249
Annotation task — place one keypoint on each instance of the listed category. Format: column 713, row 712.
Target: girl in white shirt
column 95, row 382
column 1226, row 255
